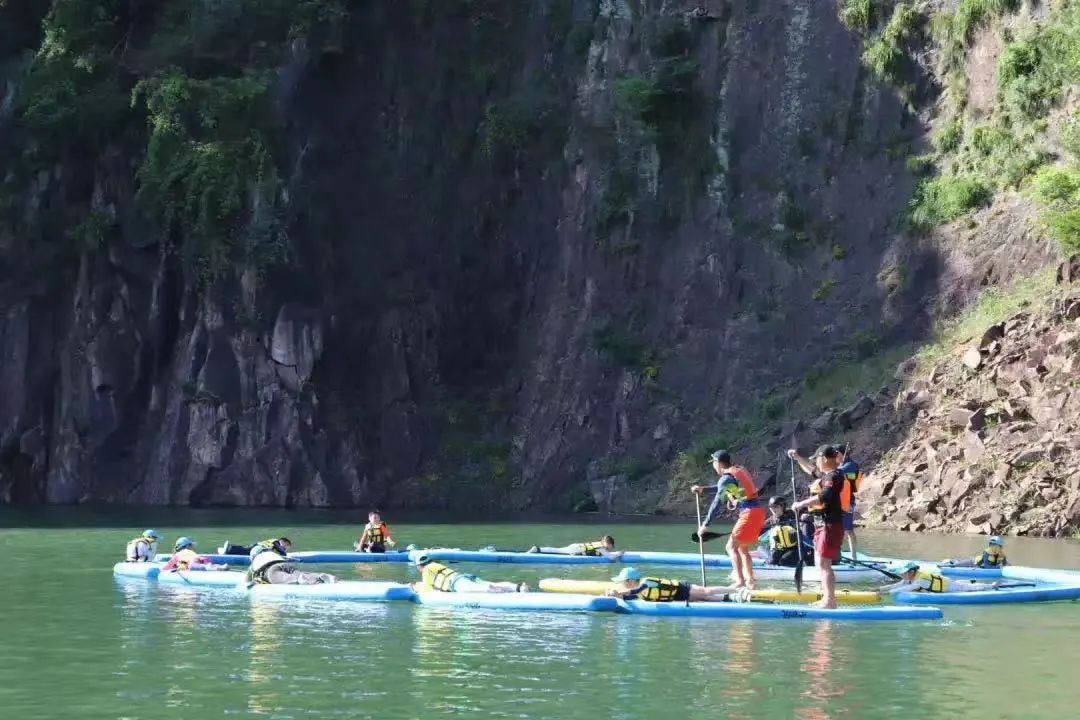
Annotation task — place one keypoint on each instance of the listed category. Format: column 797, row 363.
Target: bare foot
column 822, row 605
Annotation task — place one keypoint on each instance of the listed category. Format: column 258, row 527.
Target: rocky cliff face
column 510, row 252
column 995, row 445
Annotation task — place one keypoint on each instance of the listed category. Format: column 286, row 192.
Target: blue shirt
column 727, row 487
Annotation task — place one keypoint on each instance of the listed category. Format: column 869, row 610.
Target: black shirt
column 829, row 497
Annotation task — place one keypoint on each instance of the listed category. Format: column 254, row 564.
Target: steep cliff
column 457, row 253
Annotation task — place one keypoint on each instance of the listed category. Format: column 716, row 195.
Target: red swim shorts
column 748, row 526
column 828, row 540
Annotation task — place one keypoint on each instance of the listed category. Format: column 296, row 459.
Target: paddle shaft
column 798, row 533
column 700, row 542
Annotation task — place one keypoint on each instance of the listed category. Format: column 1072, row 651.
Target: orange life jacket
column 746, row 483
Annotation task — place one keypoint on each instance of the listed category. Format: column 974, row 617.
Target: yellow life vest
column 260, row 564
column 783, row 537
column 439, row 577
column 592, row 549
column 938, row 584
column 185, row 558
column 376, row 533
column 991, row 557
column 132, row 547
column 659, row 589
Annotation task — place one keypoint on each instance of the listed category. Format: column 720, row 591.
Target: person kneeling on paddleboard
column 185, row 558
column 992, row 557
column 269, row 566
column 439, row 578
column 779, row 537
column 604, row 547
column 143, row 548
column 632, row 586
column 913, row 579
column 376, row 535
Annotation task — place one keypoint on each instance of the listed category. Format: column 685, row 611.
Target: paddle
column 707, row 536
column 798, row 534
column 1012, row 585
column 700, row 542
column 860, row 563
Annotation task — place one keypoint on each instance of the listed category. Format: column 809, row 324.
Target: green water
column 78, row 644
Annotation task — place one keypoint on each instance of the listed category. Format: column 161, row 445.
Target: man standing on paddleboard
column 737, row 488
column 824, row 505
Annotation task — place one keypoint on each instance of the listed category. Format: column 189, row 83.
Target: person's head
column 721, row 461
column 283, row 545
column 374, row 517
column 777, row 505
column 183, row 543
column 996, row 544
column 906, row 571
column 421, row 560
column 826, row 458
column 608, row 542
column 629, row 577
column 151, row 535
column 841, row 452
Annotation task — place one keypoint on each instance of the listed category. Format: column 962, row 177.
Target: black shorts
column 376, row 548
column 683, row 593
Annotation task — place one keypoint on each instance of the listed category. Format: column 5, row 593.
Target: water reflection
column 264, row 650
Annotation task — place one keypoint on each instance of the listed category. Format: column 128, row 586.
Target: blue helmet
column 183, row 542
column 996, row 541
column 628, row 574
column 152, row 534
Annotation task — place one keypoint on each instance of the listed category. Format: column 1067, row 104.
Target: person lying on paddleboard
column 143, row 548
column 632, row 586
column 270, row 566
column 185, row 558
column 438, row 577
column 376, row 535
column 230, row 549
column 913, row 579
column 992, row 557
column 605, row 547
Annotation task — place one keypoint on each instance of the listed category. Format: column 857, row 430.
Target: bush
column 1032, row 72
column 920, row 165
column 208, row 151
column 859, row 15
column 663, row 100
column 944, row 199
column 886, row 56
column 950, row 137
column 1070, row 136
column 824, row 290
column 972, row 13
column 1054, row 185
column 1065, row 228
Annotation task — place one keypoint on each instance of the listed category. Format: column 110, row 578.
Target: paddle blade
column 706, row 536
column 798, row 577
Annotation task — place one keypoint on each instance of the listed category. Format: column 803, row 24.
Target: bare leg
column 748, row 566
column 718, row 593
column 736, row 563
column 828, row 584
column 851, row 544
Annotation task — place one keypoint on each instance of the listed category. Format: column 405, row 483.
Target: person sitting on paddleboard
column 736, row 487
column 781, row 516
column 604, row 547
column 992, row 557
column 270, row 566
column 376, row 536
column 439, row 578
column 913, row 579
column 632, row 586
column 143, row 548
column 185, row 558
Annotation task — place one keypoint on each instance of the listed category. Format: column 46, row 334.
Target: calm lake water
column 77, row 643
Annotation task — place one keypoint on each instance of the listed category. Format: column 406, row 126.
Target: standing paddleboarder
column 737, row 488
column 824, row 506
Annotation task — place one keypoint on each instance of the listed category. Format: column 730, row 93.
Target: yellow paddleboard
column 843, row 597
column 599, row 587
